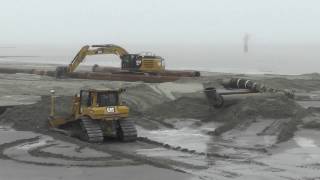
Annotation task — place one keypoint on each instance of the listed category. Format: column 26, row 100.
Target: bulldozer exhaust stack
column 53, row 99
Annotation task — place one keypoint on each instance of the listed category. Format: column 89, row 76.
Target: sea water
column 260, row 59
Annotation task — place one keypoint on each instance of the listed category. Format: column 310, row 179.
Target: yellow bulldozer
column 97, row 114
column 133, row 63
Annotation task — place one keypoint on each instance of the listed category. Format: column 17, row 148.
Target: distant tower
column 246, row 43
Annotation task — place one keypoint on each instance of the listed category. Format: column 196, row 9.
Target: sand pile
column 286, row 113
column 184, row 107
column 157, row 116
column 266, row 106
column 294, row 84
column 312, row 121
column 312, row 124
column 141, row 97
column 35, row 116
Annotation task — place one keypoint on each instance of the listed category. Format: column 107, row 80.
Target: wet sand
column 181, row 136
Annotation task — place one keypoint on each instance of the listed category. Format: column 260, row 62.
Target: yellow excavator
column 133, row 63
column 96, row 114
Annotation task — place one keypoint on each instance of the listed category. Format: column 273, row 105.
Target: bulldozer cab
column 95, row 98
column 99, row 98
column 100, row 104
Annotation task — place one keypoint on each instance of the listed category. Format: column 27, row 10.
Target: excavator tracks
column 91, row 130
column 127, row 131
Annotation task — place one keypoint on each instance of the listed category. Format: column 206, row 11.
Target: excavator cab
column 99, row 114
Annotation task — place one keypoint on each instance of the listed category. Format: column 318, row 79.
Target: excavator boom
column 95, row 50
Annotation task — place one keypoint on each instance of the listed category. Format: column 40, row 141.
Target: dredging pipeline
column 175, row 73
column 96, row 75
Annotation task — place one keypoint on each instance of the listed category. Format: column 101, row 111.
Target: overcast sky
column 158, row 21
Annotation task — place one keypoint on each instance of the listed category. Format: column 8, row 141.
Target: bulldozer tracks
column 127, row 131
column 92, row 131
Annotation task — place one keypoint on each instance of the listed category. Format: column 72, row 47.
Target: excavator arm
column 95, row 50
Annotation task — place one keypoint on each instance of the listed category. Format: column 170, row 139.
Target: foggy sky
column 158, row 21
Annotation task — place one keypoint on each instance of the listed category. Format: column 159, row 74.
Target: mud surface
column 181, row 136
column 34, row 117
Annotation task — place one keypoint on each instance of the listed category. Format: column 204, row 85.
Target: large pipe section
column 214, row 98
column 239, row 83
column 223, row 97
column 237, row 89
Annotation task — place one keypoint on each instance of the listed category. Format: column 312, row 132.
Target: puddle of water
column 21, row 152
column 174, row 155
column 251, row 135
column 7, row 134
column 72, row 150
column 36, row 144
column 14, row 100
column 186, row 135
column 297, row 156
column 192, row 139
column 305, row 142
column 185, row 138
column 181, row 123
column 307, row 104
column 312, row 99
column 6, row 128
